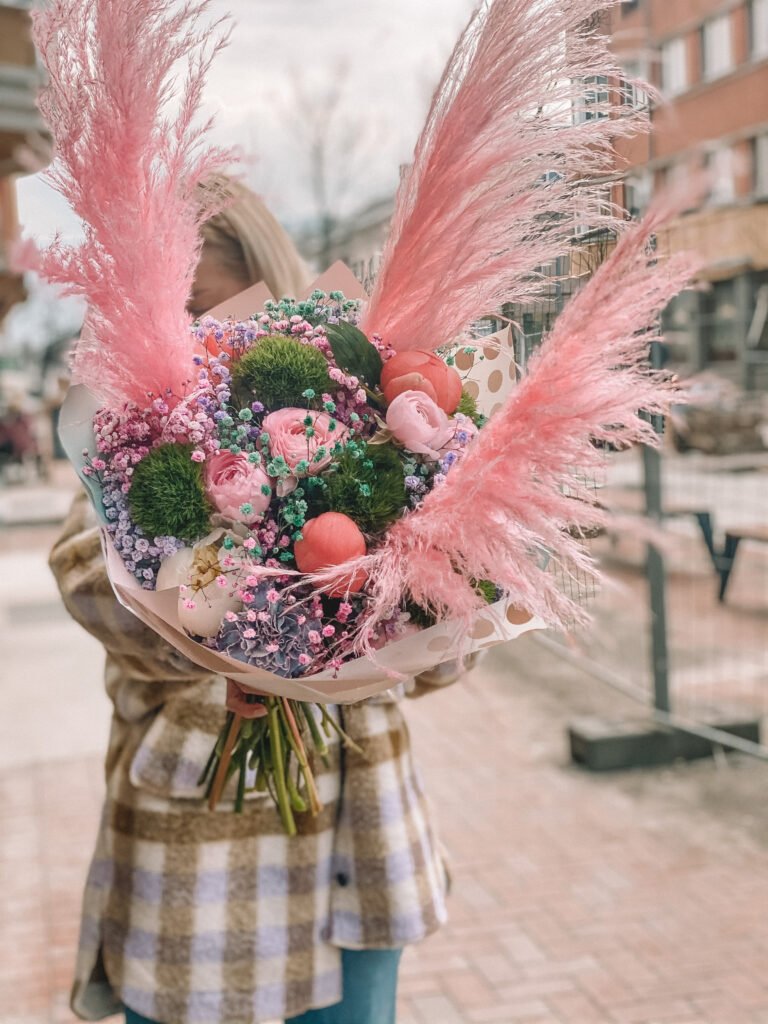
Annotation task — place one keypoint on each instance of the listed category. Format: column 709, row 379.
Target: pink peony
column 288, row 437
column 231, row 481
column 419, row 424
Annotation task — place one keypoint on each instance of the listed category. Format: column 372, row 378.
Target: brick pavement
column 580, row 898
column 576, row 898
column 629, row 899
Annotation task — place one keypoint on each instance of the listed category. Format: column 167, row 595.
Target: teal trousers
column 369, row 979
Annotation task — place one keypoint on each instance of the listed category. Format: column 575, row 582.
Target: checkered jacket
column 199, row 917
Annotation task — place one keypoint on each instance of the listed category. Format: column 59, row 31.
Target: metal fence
column 681, row 627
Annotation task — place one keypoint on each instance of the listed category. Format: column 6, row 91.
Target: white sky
column 395, row 50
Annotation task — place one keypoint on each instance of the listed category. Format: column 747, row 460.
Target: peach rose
column 419, row 424
column 288, row 437
column 331, row 539
column 421, row 371
column 232, row 481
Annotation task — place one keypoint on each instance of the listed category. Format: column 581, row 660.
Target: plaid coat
column 199, row 917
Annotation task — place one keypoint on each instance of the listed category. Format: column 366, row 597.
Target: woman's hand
column 237, row 701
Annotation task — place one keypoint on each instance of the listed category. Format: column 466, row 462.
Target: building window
column 633, row 93
column 674, row 66
column 716, row 47
column 637, row 193
column 595, row 101
column 719, row 165
column 629, row 5
column 599, row 204
column 760, row 165
column 724, row 327
column 758, row 28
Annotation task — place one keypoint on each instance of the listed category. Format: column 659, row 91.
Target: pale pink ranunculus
column 419, row 424
column 288, row 437
column 232, row 481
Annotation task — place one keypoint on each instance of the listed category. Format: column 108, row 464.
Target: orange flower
column 422, row 371
column 331, row 539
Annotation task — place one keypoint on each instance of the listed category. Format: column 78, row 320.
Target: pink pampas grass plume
column 507, row 510
column 129, row 169
column 501, row 169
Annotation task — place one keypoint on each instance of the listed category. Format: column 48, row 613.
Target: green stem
column 262, row 756
column 254, row 744
column 242, row 757
column 219, row 748
column 224, row 749
column 298, row 803
column 374, row 399
column 283, row 800
column 317, row 739
column 213, row 757
column 297, row 745
column 345, row 739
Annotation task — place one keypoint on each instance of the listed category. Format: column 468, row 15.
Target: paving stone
column 631, row 899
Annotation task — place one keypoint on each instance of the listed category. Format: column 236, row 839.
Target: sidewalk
column 631, row 899
column 40, row 503
column 582, row 899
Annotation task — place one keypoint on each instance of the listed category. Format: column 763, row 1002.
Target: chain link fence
column 681, row 624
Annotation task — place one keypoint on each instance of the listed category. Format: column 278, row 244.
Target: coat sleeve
column 77, row 563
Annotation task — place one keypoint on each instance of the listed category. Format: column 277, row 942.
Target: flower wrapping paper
column 358, row 678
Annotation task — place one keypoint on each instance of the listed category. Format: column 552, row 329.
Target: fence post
column 655, row 569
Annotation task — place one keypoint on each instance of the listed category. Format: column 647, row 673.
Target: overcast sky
column 394, row 51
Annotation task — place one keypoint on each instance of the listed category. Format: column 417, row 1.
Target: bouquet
column 309, row 499
column 297, row 443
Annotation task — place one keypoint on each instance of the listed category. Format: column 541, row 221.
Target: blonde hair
column 250, row 243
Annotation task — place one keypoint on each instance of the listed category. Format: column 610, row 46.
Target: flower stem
column 212, row 757
column 220, row 778
column 298, row 803
column 317, row 737
column 297, row 744
column 329, row 720
column 242, row 757
column 275, row 735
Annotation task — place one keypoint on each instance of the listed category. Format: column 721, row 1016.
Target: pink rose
column 288, row 437
column 232, row 481
column 419, row 424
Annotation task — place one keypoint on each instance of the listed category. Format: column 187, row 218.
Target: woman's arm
column 77, row 562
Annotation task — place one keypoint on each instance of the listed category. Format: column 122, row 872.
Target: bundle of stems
column 274, row 746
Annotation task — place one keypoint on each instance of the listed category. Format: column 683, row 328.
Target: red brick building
column 709, row 58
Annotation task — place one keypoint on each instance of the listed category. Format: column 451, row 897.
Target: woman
column 199, row 917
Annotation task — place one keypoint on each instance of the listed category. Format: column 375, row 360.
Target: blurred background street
column 580, row 896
